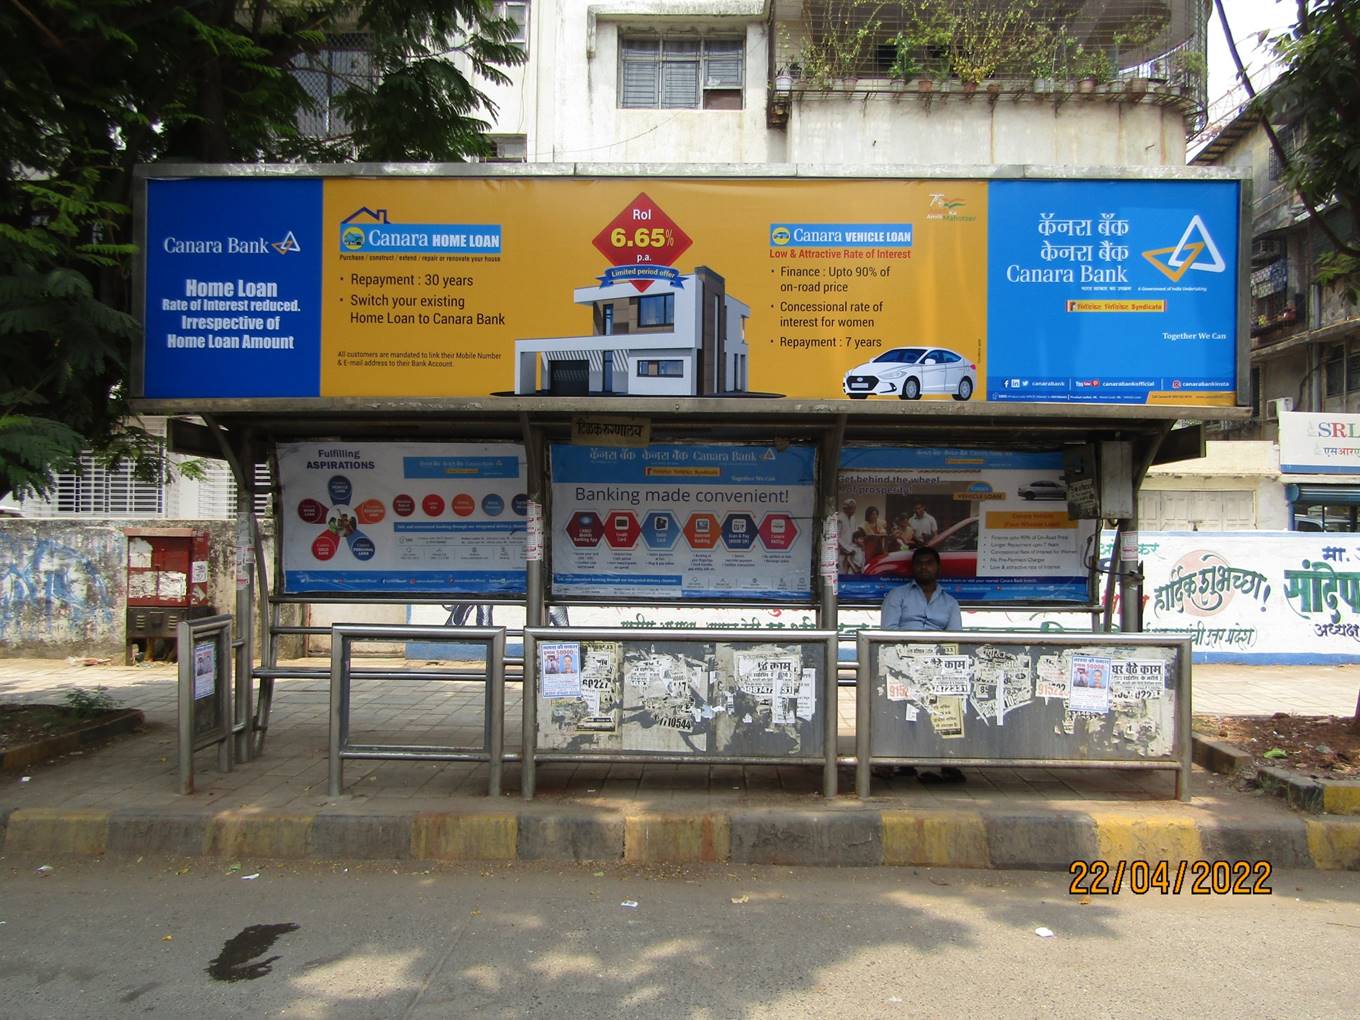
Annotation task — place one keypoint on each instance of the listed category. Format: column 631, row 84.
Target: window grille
column 518, row 12
column 680, row 72
column 343, row 63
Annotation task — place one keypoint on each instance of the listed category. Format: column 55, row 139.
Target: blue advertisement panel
column 997, row 518
column 233, row 305
column 682, row 521
column 414, row 517
column 1112, row 291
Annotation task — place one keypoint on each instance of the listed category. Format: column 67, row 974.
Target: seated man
column 921, row 604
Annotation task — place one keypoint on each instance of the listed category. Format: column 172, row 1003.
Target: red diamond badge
column 641, row 238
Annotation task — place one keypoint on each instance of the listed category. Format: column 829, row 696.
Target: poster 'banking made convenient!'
column 1110, row 291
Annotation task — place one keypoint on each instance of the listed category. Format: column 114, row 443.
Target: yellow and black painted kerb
column 1045, row 840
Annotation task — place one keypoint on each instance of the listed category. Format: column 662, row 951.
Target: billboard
column 997, row 518
column 1118, row 291
column 682, row 521
column 402, row 517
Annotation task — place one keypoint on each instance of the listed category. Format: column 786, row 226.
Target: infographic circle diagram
column 341, row 521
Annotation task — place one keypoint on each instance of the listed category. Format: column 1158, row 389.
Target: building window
column 656, row 310
column 1290, row 137
column 1334, row 369
column 96, row 490
column 507, row 149
column 342, row 64
column 518, row 12
column 670, row 368
column 1353, row 370
column 680, row 72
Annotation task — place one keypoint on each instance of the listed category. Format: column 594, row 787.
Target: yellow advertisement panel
column 426, row 323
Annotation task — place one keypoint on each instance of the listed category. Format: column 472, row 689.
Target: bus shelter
column 592, row 389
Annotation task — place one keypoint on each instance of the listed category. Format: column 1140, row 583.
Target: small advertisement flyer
column 998, row 520
column 1090, row 684
column 559, row 670
column 205, row 669
column 407, row 517
column 682, row 521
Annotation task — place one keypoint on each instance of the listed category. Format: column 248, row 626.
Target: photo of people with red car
column 883, row 531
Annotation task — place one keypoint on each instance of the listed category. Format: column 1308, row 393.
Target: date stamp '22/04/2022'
column 1199, row 878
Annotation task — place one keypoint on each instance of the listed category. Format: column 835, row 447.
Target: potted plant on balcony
column 839, row 40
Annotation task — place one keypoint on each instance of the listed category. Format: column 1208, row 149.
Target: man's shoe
column 893, row 771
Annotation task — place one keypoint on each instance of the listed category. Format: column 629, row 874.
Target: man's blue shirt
column 906, row 608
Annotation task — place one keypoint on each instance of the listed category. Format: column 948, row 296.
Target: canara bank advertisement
column 682, row 521
column 997, row 519
column 412, row 517
column 1032, row 290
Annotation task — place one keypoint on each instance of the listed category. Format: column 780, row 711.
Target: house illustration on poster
column 681, row 338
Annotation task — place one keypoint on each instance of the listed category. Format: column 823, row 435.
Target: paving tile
column 139, row 770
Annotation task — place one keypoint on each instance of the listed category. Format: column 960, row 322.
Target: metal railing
column 492, row 751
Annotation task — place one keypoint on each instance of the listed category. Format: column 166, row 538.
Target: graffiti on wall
column 51, row 592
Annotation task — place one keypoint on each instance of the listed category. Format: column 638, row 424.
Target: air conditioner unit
column 1277, row 407
column 1265, row 249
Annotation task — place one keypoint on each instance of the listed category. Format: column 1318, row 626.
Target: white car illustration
column 907, row 372
column 1043, row 489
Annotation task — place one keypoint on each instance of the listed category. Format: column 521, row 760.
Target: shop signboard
column 1324, row 444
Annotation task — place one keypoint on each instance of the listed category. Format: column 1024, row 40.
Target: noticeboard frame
column 215, row 633
column 826, row 693
column 1179, row 760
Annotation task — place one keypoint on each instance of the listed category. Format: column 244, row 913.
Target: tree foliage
column 1319, row 93
column 91, row 88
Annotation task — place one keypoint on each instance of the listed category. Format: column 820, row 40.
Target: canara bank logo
column 230, row 245
column 1186, row 253
column 288, row 244
column 780, row 236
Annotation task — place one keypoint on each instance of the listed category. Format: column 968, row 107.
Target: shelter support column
column 1126, row 540
column 828, row 607
column 535, row 541
column 535, row 551
column 244, row 723
column 1130, row 576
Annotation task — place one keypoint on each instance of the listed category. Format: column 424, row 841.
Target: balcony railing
column 1129, row 49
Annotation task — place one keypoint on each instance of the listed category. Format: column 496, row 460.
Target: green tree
column 91, row 88
column 1319, row 93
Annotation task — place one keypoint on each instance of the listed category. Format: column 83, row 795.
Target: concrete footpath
column 120, row 798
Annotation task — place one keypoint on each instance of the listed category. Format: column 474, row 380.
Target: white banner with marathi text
column 1243, row 596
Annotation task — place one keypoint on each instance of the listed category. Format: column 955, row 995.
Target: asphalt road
column 176, row 938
